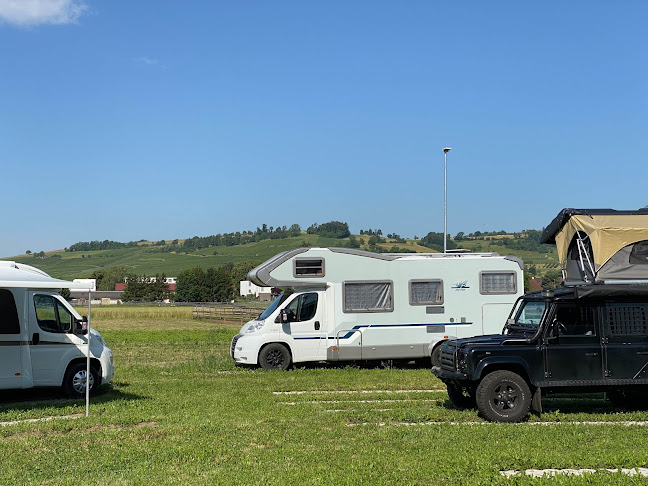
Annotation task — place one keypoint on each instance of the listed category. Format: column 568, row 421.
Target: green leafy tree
column 435, row 241
column 552, row 279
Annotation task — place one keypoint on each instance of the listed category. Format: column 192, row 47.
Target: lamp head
column 446, row 150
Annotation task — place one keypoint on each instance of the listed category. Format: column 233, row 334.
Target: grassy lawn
column 180, row 412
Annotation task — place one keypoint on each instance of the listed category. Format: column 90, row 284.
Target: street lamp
column 445, row 198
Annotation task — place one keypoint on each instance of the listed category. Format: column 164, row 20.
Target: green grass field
column 180, row 412
column 145, row 260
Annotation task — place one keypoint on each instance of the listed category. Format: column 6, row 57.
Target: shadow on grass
column 392, row 364
column 46, row 398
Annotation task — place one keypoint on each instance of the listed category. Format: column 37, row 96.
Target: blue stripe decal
column 351, row 333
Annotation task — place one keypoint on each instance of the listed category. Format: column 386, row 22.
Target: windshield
column 528, row 317
column 275, row 303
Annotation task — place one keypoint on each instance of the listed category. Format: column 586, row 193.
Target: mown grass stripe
column 629, row 423
column 42, row 419
column 538, row 473
column 323, row 392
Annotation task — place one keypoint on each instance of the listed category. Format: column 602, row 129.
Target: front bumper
column 447, row 375
column 244, row 348
column 107, row 366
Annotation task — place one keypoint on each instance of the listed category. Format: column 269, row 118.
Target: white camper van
column 343, row 304
column 43, row 340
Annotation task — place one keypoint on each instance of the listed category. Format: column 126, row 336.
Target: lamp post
column 445, row 198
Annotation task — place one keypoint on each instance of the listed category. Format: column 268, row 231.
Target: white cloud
column 36, row 12
column 146, row 60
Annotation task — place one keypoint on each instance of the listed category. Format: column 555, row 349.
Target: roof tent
column 600, row 245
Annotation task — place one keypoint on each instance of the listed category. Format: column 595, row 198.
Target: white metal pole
column 88, row 357
column 445, row 198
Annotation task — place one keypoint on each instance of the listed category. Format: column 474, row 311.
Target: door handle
column 591, row 355
column 317, row 325
column 35, row 338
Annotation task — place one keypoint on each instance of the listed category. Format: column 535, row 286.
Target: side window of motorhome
column 626, row 319
column 426, row 292
column 51, row 315
column 308, row 267
column 497, row 283
column 303, row 307
column 9, row 323
column 368, row 297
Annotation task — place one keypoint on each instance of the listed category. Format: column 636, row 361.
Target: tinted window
column 8, row 313
column 302, row 308
column 309, row 268
column 52, row 316
column 576, row 320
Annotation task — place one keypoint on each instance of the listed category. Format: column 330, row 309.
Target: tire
column 74, row 382
column 274, row 356
column 436, row 356
column 503, row 396
column 461, row 397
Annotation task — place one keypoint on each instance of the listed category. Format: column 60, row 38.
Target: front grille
column 448, row 356
column 233, row 345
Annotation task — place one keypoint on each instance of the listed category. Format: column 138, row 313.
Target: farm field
column 147, row 259
column 180, row 412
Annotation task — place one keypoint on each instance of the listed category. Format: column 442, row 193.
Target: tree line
column 194, row 285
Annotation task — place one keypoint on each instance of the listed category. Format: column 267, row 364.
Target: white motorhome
column 344, row 304
column 43, row 340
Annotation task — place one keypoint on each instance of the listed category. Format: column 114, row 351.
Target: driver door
column 305, row 326
column 51, row 325
column 573, row 350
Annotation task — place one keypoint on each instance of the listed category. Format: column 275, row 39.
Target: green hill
column 148, row 258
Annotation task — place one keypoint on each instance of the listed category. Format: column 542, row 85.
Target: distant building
column 260, row 293
column 535, row 284
column 170, row 281
column 98, row 298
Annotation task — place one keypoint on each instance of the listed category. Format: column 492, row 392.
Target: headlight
column 461, row 360
column 255, row 326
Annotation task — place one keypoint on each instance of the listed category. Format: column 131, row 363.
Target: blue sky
column 152, row 119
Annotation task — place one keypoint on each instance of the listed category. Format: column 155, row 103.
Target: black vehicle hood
column 489, row 340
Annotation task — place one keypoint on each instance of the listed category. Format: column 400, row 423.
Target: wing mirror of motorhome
column 286, row 316
column 81, row 326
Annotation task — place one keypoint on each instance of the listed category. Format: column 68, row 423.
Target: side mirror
column 286, row 316
column 81, row 326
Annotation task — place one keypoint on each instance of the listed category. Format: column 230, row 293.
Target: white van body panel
column 31, row 352
column 403, row 328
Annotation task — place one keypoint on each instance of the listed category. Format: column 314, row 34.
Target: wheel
column 274, row 356
column 460, row 396
column 74, row 382
column 503, row 396
column 436, row 356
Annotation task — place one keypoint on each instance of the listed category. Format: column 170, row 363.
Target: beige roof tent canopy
column 600, row 245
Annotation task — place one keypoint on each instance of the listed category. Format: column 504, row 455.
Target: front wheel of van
column 274, row 356
column 74, row 382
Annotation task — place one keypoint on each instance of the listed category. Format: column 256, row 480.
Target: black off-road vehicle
column 582, row 339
